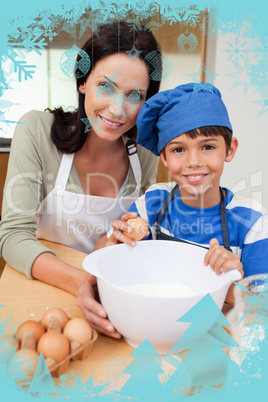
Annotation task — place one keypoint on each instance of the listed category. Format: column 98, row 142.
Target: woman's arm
column 24, row 190
column 50, row 269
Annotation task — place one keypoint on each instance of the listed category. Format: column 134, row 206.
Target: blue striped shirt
column 247, row 224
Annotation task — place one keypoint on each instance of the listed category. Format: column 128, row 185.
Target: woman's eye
column 107, row 88
column 134, row 97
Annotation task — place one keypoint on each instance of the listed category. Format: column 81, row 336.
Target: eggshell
column 55, row 312
column 54, row 345
column 32, row 326
column 140, row 228
column 30, row 359
column 78, row 329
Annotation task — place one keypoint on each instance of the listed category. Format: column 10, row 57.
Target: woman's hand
column 93, row 310
column 222, row 260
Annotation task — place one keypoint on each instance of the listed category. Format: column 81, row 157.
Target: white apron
column 79, row 220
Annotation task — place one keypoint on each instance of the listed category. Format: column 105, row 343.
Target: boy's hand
column 119, row 227
column 222, row 260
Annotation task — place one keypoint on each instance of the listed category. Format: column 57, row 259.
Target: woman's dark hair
column 68, row 130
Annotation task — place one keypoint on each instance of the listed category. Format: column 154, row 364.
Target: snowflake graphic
column 6, row 326
column 183, row 14
column 191, row 17
column 260, row 48
column 233, row 22
column 258, row 76
column 6, row 123
column 48, row 24
column 20, row 66
column 115, row 366
column 241, row 76
column 3, row 82
column 153, row 26
column 67, row 380
column 32, row 42
column 74, row 14
column 237, row 51
column 90, row 20
column 248, row 29
column 264, row 103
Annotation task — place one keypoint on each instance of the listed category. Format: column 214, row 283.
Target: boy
column 189, row 127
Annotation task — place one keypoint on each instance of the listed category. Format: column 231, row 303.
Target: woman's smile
column 111, row 123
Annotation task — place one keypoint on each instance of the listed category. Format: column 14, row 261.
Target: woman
column 67, row 185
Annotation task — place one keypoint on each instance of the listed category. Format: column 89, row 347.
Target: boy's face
column 197, row 165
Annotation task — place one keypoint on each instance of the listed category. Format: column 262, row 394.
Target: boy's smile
column 196, row 165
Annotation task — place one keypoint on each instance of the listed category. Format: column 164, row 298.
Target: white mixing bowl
column 157, row 262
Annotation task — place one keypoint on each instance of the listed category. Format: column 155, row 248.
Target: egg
column 54, row 345
column 79, row 330
column 55, row 312
column 140, row 228
column 24, row 360
column 32, row 326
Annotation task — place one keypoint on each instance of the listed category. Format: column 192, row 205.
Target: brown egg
column 54, row 345
column 140, row 228
column 78, row 329
column 24, row 360
column 32, row 326
column 55, row 312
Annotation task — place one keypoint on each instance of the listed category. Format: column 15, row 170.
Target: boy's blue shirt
column 247, row 224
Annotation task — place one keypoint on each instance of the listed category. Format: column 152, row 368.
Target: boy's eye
column 208, row 147
column 177, row 150
column 107, row 88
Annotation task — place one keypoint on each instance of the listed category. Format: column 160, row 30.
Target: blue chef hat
column 171, row 113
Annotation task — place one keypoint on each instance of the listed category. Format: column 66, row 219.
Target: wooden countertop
column 28, row 299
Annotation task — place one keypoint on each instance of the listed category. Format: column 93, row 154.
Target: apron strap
column 64, row 172
column 131, row 147
column 164, row 208
column 223, row 217
column 224, row 226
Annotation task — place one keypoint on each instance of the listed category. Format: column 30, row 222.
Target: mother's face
column 114, row 93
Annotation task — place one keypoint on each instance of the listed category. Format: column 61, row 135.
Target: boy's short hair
column 212, row 131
